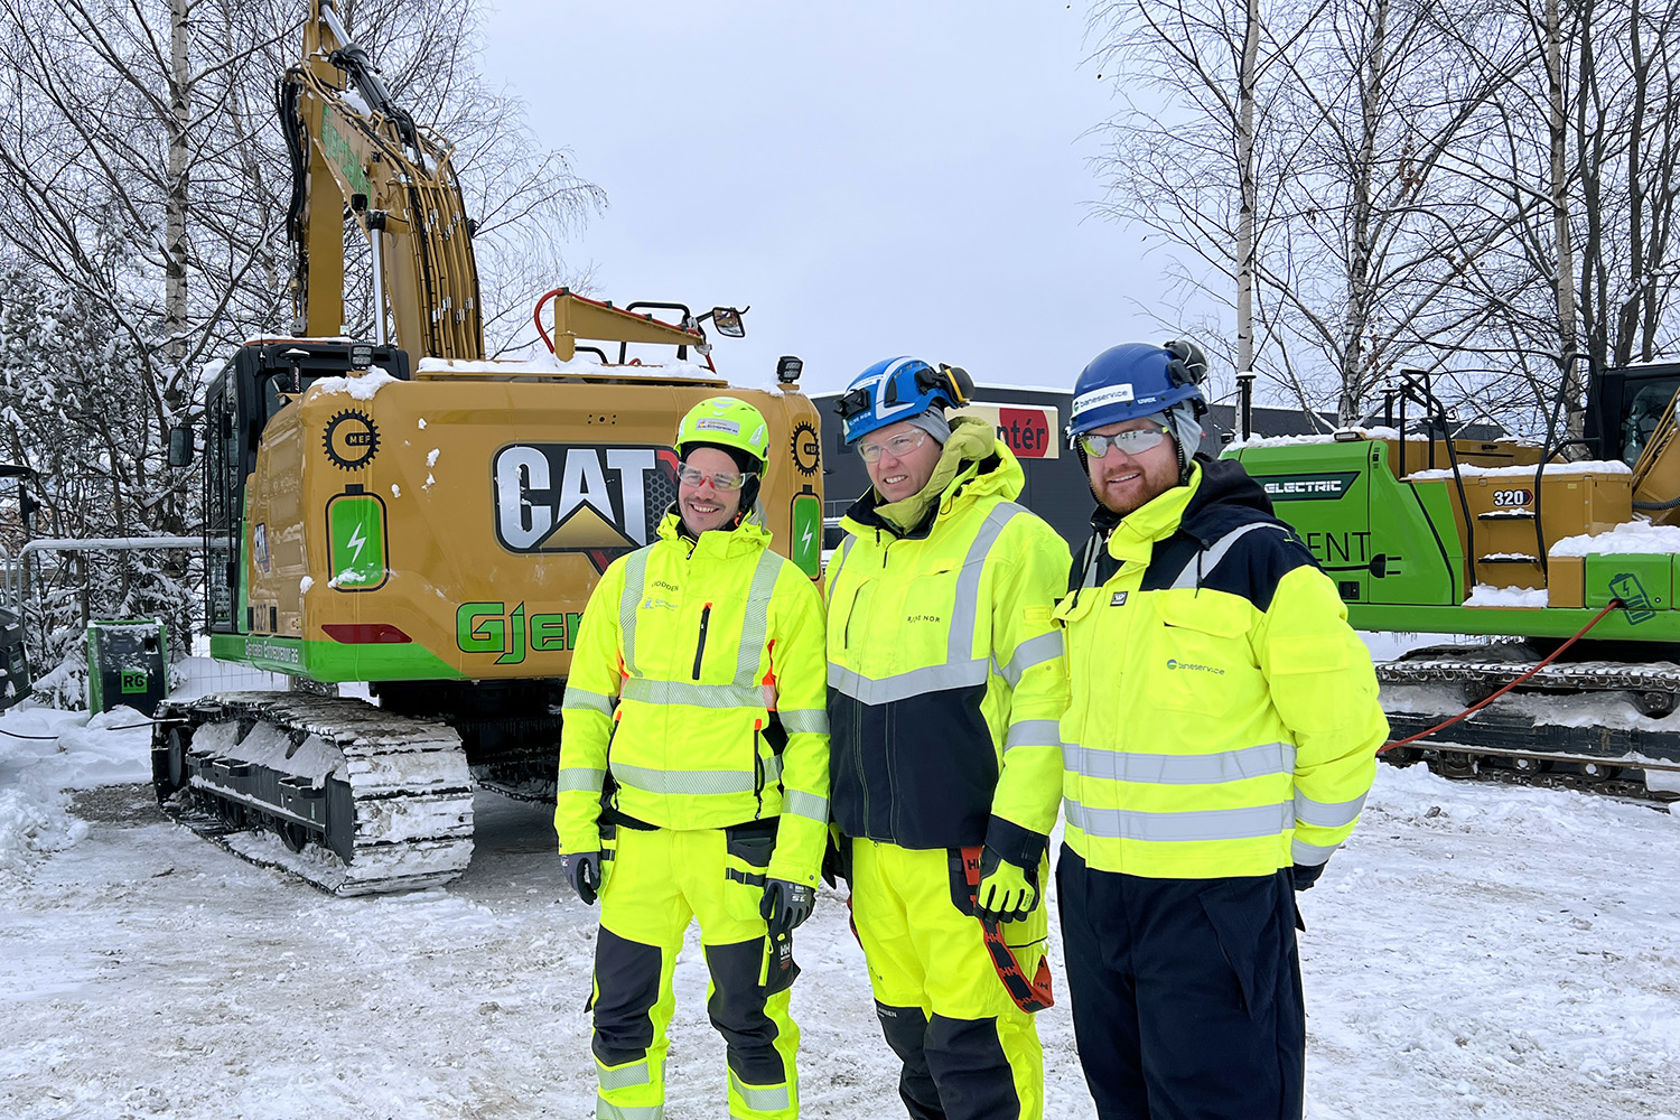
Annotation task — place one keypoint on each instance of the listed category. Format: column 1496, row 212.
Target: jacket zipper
column 758, row 767
column 700, row 649
column 612, row 733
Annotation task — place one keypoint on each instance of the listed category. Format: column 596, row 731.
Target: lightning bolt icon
column 357, row 540
column 805, row 539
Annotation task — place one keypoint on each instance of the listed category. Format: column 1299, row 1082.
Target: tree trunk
column 1558, row 122
column 1249, row 189
column 1360, row 247
column 175, row 204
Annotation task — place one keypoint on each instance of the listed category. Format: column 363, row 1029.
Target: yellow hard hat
column 725, row 422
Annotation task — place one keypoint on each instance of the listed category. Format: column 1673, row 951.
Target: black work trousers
column 1186, row 994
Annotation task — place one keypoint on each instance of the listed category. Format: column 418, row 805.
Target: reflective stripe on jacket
column 945, row 672
column 694, row 663
column 1223, row 718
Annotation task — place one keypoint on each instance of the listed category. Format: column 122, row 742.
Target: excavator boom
column 355, row 151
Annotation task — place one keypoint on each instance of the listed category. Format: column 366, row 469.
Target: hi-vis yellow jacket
column 1224, row 718
column 945, row 672
column 698, row 684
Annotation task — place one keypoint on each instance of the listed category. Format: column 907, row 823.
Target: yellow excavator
column 405, row 512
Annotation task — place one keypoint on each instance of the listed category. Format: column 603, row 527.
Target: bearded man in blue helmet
column 1220, row 739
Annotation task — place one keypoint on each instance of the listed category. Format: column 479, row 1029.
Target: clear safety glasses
column 898, row 446
column 689, row 476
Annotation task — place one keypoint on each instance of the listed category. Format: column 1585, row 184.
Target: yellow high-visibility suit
column 695, row 756
column 946, row 683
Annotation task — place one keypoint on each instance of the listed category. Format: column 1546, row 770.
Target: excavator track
column 349, row 797
column 1600, row 726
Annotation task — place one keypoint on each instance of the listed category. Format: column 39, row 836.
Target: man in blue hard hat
column 945, row 684
column 1218, row 745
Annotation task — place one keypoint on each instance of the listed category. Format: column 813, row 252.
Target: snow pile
column 197, row 675
column 43, row 753
column 360, row 388
column 537, row 358
column 1585, row 466
column 1633, row 537
column 1340, row 435
column 1485, row 595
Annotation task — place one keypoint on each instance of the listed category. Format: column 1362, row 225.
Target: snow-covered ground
column 1476, row 951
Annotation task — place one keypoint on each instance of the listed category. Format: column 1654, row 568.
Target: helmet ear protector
column 1187, row 365
column 951, row 382
column 954, row 380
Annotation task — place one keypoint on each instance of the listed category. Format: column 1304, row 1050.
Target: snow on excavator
column 1565, row 572
column 404, row 512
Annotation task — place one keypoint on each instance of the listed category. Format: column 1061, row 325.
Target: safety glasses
column 898, row 446
column 1132, row 443
column 690, row 476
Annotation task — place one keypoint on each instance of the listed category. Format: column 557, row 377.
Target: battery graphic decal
column 356, row 536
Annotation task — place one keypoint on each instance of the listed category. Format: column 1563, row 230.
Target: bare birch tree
column 143, row 188
column 1360, row 224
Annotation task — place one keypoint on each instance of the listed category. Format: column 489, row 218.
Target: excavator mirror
column 180, row 445
column 727, row 320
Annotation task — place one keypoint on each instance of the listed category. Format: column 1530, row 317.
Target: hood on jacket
column 974, row 465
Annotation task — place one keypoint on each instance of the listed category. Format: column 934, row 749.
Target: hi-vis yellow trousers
column 969, row 1053
column 658, row 882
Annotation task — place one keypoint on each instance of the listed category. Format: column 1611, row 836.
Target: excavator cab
column 1625, row 408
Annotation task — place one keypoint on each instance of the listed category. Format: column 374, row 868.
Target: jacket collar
column 1134, row 535
column 1202, row 508
column 748, row 536
column 977, row 468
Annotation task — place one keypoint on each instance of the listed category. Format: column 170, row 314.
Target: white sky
column 873, row 178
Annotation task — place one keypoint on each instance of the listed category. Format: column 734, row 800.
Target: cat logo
column 601, row 500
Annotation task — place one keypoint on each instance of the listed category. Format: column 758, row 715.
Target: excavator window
column 281, row 387
column 1645, row 404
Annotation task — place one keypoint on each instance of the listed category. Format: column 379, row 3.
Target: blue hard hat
column 1134, row 380
column 897, row 389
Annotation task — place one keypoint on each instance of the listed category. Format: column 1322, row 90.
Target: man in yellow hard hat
column 945, row 685
column 694, row 776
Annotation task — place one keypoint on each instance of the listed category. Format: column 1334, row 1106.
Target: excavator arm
column 354, row 150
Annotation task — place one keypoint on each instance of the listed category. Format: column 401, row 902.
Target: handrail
column 13, row 585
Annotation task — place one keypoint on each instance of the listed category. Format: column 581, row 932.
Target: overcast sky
column 873, row 178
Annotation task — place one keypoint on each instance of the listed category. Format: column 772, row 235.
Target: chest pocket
column 1087, row 674
column 1200, row 658
column 927, row 609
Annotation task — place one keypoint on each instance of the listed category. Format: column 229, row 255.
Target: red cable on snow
column 1551, row 657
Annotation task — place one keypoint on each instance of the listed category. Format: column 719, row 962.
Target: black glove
column 583, row 872
column 837, row 860
column 1304, row 876
column 785, row 905
column 1007, row 891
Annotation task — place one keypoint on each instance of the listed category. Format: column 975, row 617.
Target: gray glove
column 785, row 905
column 583, row 872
